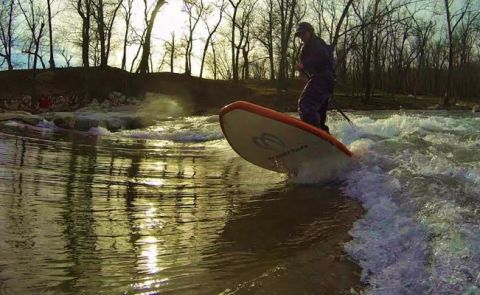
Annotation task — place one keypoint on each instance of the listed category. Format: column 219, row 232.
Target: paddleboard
column 279, row 142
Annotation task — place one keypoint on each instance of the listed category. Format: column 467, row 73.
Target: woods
column 387, row 47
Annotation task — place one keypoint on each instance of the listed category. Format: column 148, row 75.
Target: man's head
column 304, row 31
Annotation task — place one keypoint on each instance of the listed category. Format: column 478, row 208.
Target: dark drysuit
column 317, row 60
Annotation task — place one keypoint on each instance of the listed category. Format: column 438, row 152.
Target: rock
column 66, row 122
column 85, row 123
column 94, row 102
column 24, row 117
column 31, row 119
column 132, row 100
column 137, row 122
column 117, row 94
column 476, row 108
column 106, row 105
column 114, row 124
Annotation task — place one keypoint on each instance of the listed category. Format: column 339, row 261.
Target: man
column 317, row 64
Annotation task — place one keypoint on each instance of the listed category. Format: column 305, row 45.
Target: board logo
column 269, row 141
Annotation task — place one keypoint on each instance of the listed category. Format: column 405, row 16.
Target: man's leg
column 322, row 112
column 308, row 104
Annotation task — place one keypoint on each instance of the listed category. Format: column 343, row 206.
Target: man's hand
column 299, row 67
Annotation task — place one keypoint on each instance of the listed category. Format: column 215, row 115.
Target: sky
column 171, row 18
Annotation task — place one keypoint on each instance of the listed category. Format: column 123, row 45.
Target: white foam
column 46, row 124
column 420, row 188
column 99, row 131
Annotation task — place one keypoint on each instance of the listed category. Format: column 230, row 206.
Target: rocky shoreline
column 118, row 112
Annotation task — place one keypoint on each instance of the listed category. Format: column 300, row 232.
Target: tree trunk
column 214, row 62
column 85, row 15
column 232, row 41
column 287, row 9
column 270, row 42
column 35, row 99
column 448, row 85
column 51, row 61
column 143, row 67
column 209, row 38
column 101, row 34
column 172, row 53
column 9, row 41
column 368, row 58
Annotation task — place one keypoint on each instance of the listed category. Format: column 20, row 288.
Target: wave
column 419, row 184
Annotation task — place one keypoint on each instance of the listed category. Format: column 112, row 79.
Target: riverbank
column 69, row 89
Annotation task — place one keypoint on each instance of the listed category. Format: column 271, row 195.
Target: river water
column 172, row 209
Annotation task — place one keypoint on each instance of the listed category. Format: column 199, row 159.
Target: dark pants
column 313, row 102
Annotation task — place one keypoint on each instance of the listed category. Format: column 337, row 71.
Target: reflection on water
column 80, row 214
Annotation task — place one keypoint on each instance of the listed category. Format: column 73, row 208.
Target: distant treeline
column 418, row 47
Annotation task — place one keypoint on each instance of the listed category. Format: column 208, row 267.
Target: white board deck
column 279, row 142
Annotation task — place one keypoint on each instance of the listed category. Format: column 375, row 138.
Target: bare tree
column 235, row 5
column 105, row 13
column 7, row 16
column 423, row 31
column 453, row 19
column 143, row 66
column 244, row 43
column 66, row 56
column 51, row 61
column 211, row 31
column 127, row 12
column 169, row 47
column 286, row 12
column 264, row 34
column 84, row 8
column 34, row 15
column 195, row 10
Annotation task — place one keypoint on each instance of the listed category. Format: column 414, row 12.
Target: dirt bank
column 77, row 87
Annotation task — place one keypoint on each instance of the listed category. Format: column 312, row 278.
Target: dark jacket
column 317, row 59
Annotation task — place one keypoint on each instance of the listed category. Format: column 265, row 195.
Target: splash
column 419, row 183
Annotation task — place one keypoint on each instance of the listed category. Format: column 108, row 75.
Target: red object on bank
column 44, row 103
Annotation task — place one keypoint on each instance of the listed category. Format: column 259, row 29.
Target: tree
column 453, row 19
column 143, row 66
column 7, row 16
column 264, row 33
column 34, row 15
column 169, row 47
column 85, row 10
column 51, row 61
column 211, row 31
column 104, row 14
column 286, row 12
column 245, row 45
column 127, row 12
column 195, row 10
column 234, row 64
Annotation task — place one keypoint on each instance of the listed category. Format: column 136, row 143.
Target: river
column 172, row 209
